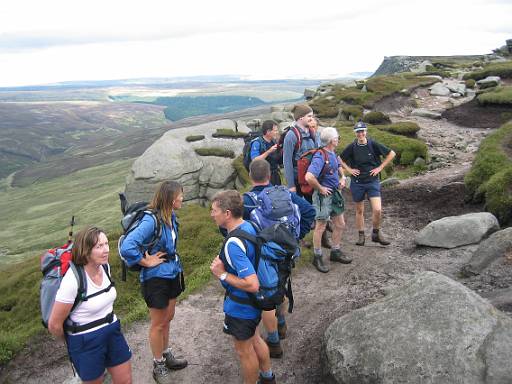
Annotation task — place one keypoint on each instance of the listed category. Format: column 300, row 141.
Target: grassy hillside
column 37, row 216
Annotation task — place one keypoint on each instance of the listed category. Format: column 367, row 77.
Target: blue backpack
column 276, row 248
column 274, row 205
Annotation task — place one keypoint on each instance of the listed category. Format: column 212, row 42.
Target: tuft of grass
column 242, row 173
column 228, row 133
column 490, row 172
column 192, row 138
column 470, row 83
column 500, row 96
column 323, row 107
column 404, row 128
column 354, row 111
column 503, row 70
column 376, row 117
column 215, row 151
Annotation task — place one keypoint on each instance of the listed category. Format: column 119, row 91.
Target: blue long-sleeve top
column 290, row 156
column 307, row 211
column 133, row 250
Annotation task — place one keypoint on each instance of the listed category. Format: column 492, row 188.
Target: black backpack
column 246, row 151
column 132, row 216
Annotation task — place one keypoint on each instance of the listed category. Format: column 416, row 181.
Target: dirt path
column 320, row 298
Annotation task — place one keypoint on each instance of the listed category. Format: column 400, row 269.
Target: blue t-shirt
column 133, row 247
column 239, row 256
column 330, row 177
column 259, row 146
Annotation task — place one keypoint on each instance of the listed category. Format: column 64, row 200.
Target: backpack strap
column 254, row 200
column 323, row 171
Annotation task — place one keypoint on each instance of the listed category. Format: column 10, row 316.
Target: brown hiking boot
column 337, row 255
column 378, row 238
column 326, row 242
column 281, row 329
column 361, row 239
column 262, row 380
column 174, row 363
column 319, row 264
column 276, row 352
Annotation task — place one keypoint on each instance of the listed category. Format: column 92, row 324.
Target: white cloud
column 56, row 40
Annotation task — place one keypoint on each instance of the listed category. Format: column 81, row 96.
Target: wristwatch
column 223, row 276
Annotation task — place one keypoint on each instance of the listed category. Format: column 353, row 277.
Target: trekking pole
column 70, row 234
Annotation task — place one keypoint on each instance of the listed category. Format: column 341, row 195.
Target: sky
column 48, row 41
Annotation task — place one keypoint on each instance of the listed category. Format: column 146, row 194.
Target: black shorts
column 240, row 329
column 158, row 291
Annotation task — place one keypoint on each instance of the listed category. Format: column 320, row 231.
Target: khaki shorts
column 327, row 206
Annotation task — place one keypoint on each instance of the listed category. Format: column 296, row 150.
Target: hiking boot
column 276, row 352
column 281, row 330
column 161, row 373
column 337, row 255
column 174, row 363
column 361, row 239
column 378, row 238
column 262, row 380
column 326, row 242
column 319, row 264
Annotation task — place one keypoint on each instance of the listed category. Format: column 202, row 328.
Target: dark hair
column 267, row 125
column 230, row 200
column 259, row 171
column 163, row 199
column 84, row 242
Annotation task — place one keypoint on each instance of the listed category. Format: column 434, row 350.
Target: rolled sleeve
column 133, row 244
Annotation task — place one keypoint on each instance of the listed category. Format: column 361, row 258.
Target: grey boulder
column 422, row 112
column 454, row 231
column 431, row 330
column 439, row 89
column 488, row 251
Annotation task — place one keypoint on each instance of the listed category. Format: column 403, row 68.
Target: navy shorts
column 158, row 291
column 360, row 190
column 240, row 329
column 92, row 352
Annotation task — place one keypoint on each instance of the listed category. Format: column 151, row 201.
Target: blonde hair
column 163, row 200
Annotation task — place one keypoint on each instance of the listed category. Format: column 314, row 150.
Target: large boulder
column 431, row 330
column 439, row 89
column 173, row 158
column 456, row 87
column 488, row 251
column 454, row 231
column 489, row 81
column 281, row 116
column 422, row 112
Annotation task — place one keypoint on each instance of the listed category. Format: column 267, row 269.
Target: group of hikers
column 92, row 331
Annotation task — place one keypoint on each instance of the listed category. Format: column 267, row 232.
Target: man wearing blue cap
column 361, row 159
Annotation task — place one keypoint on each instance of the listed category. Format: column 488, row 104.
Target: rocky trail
column 196, row 331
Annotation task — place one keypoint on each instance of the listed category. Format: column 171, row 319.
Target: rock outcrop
column 431, row 330
column 173, row 158
column 488, row 251
column 454, row 231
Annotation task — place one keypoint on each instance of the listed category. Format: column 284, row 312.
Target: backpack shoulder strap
column 157, row 233
column 298, row 135
column 254, row 200
column 245, row 236
column 78, row 271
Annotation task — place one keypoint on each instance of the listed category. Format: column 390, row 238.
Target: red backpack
column 302, row 168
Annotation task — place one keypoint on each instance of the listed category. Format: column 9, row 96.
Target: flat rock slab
column 422, row 112
column 454, row 231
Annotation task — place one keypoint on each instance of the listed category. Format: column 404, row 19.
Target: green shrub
column 490, row 160
column 498, row 196
column 228, row 133
column 487, row 85
column 404, row 128
column 215, row 151
column 503, row 70
column 376, row 117
column 501, row 96
column 470, row 83
column 242, row 173
column 407, row 157
column 354, row 111
column 194, row 138
column 323, row 107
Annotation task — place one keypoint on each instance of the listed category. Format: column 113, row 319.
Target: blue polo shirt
column 330, row 177
column 239, row 257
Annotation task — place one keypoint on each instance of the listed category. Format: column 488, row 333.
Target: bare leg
column 249, row 361
column 338, row 223
column 376, row 205
column 269, row 320
column 360, row 216
column 317, row 234
column 122, row 373
column 262, row 352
